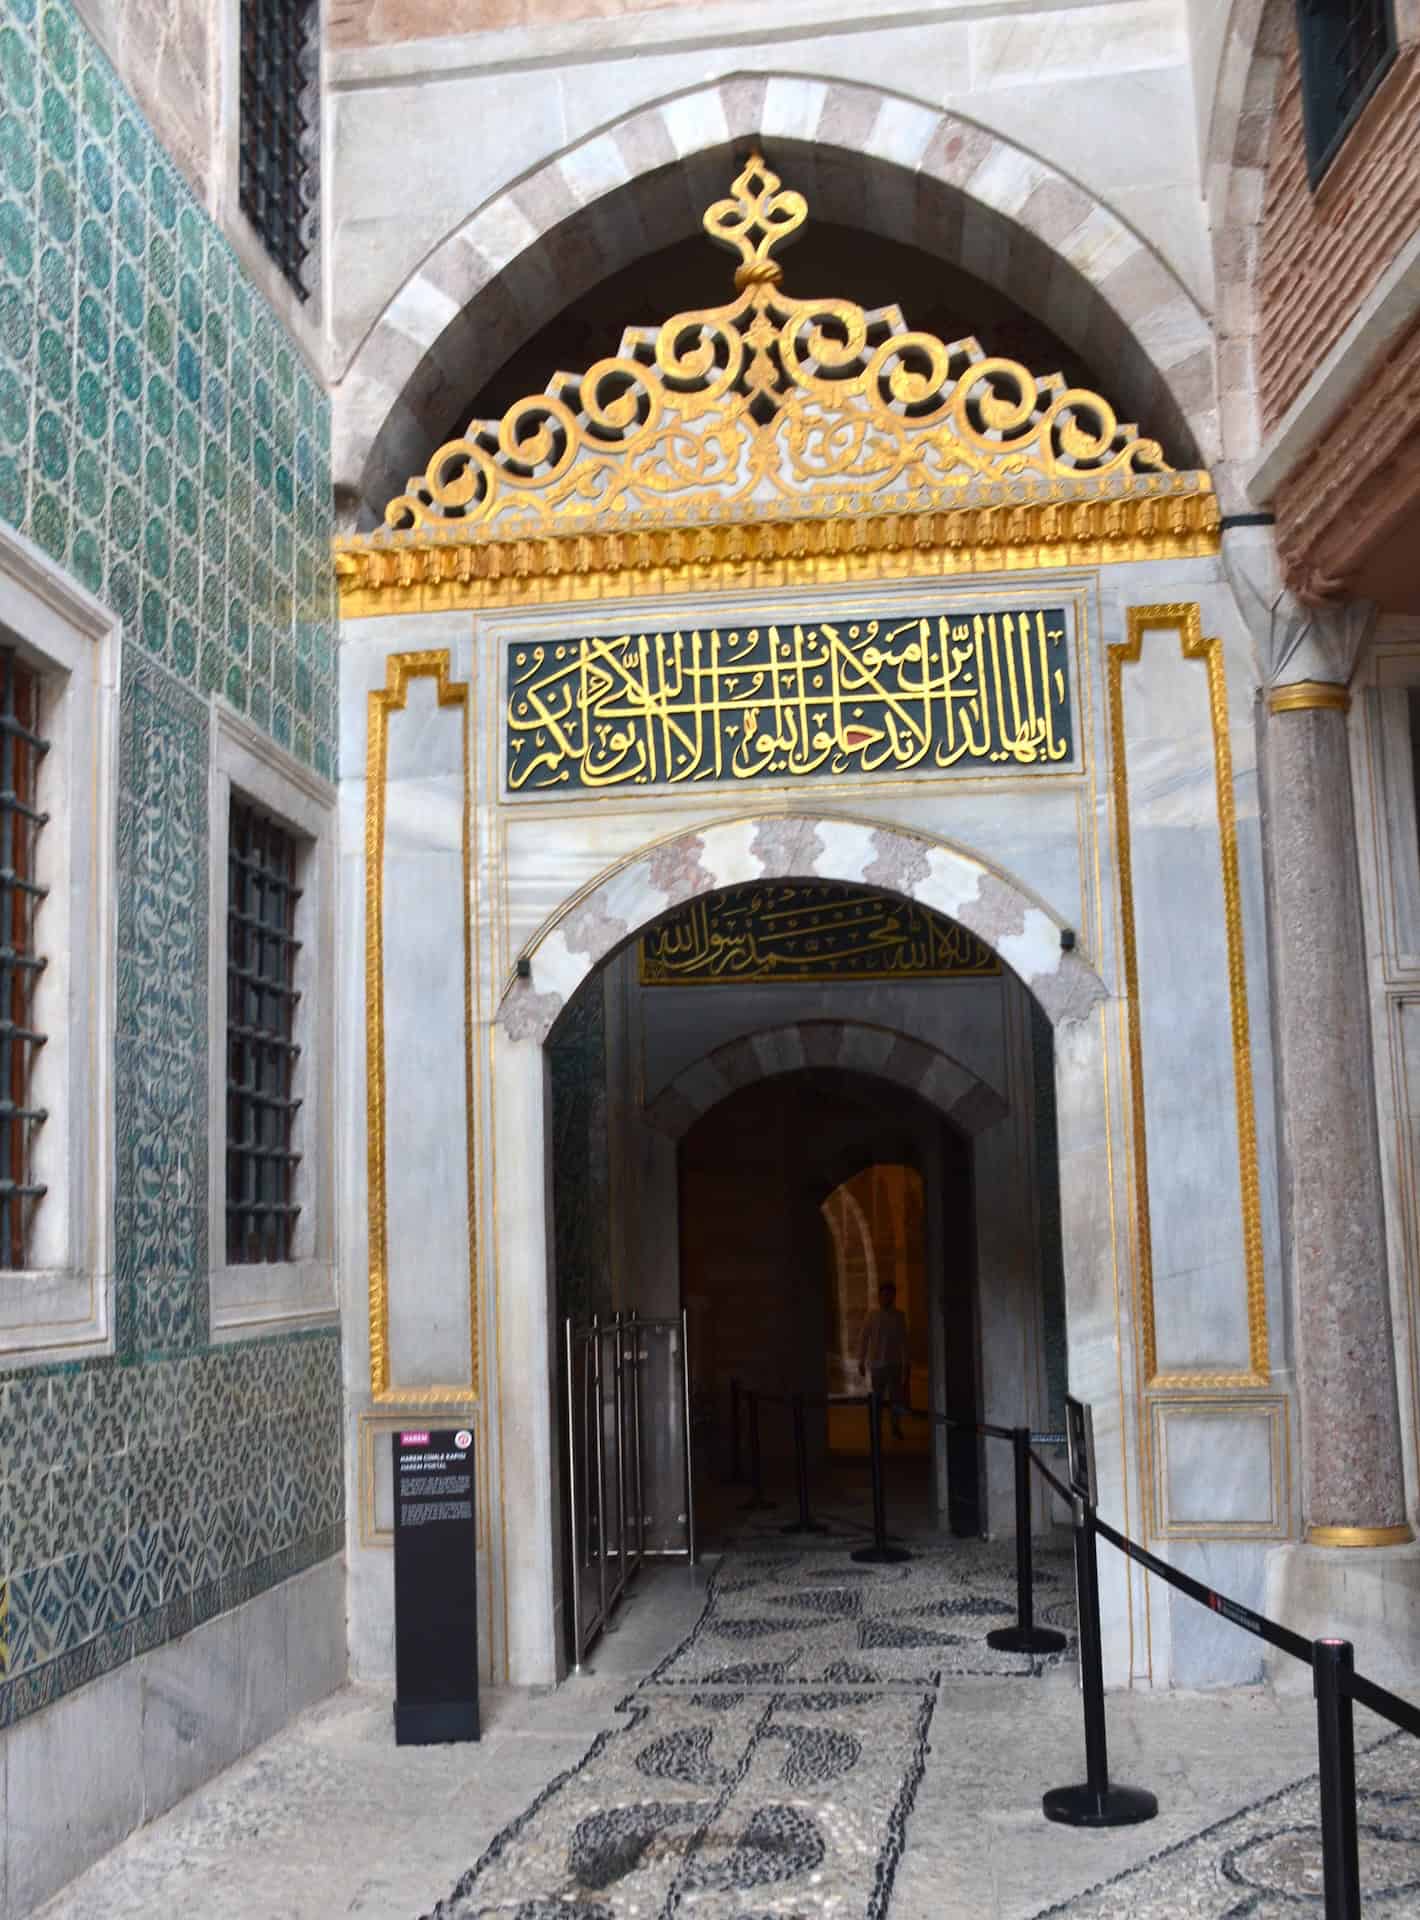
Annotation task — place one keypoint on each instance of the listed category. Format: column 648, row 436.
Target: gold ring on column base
column 1305, row 694
column 1359, row 1536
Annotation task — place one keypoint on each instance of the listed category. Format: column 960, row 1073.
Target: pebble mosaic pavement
column 772, row 1758
column 1264, row 1862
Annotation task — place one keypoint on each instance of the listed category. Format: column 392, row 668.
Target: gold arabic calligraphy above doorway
column 795, row 933
column 850, row 695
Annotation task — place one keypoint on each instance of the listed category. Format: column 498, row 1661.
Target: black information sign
column 435, row 1589
column 1080, row 1439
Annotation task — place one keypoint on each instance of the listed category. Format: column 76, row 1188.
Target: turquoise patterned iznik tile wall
column 159, row 434
column 162, row 440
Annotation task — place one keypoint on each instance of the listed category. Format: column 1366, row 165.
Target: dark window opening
column 21, row 963
column 278, row 126
column 261, row 1052
column 1347, row 46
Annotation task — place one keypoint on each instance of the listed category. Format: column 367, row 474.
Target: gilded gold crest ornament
column 783, row 415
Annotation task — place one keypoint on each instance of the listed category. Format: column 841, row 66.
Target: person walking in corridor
column 882, row 1353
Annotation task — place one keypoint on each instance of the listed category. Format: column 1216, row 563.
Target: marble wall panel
column 426, row 1105
column 1195, row 1205
column 1221, row 1467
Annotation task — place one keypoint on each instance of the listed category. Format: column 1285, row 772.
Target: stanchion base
column 804, row 1526
column 1112, row 1806
column 880, row 1556
column 1026, row 1640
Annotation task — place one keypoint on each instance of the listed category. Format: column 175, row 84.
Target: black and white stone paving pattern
column 773, row 1756
column 803, row 1618
column 813, row 1776
column 1265, row 1862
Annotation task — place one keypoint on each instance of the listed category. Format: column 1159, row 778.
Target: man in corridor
column 882, row 1353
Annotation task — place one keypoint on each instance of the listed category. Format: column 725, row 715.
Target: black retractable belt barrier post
column 736, row 1470
column 1025, row 1636
column 805, row 1522
column 1332, row 1662
column 1097, row 1802
column 880, row 1554
column 756, row 1502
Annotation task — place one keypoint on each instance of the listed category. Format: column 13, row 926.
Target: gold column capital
column 1359, row 1536
column 1303, row 696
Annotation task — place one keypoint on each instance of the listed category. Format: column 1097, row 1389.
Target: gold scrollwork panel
column 401, row 669
column 1184, row 620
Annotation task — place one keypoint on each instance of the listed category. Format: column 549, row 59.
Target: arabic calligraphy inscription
column 787, row 931
column 789, row 700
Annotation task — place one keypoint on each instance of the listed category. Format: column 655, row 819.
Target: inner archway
column 737, row 1085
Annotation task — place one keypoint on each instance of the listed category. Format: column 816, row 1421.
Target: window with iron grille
column 262, row 997
column 21, row 963
column 1346, row 47
column 279, row 98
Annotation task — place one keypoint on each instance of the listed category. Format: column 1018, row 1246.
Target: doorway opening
column 758, row 1145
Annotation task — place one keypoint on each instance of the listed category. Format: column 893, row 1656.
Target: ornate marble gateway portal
column 851, row 694
column 791, row 652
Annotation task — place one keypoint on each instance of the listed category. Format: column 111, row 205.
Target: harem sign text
column 789, row 700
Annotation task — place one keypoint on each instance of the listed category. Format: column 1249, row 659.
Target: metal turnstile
column 630, row 1491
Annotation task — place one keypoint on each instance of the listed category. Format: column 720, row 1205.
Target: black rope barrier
column 1099, row 1801
column 1045, row 1473
column 805, row 1522
column 882, row 1553
column 737, row 1478
column 1244, row 1617
column 1025, row 1636
column 756, row 1502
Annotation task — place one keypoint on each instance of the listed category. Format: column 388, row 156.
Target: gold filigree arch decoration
column 810, row 428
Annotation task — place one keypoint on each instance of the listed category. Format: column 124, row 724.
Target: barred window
column 1346, row 46
column 279, row 103
column 21, row 962
column 262, row 952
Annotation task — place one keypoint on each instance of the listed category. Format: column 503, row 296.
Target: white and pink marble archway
column 862, row 153
column 796, row 846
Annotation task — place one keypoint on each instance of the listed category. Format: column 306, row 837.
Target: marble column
column 1352, row 1481
column 1343, row 1347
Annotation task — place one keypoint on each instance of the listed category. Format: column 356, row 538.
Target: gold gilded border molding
column 1185, row 619
column 1279, row 1446
column 440, row 570
column 400, row 669
column 1302, row 696
column 1397, row 1536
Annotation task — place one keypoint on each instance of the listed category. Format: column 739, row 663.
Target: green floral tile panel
column 160, row 435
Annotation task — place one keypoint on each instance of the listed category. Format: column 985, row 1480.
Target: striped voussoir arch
column 853, row 1046
column 864, row 157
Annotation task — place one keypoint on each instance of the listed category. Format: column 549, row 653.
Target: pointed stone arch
column 854, row 1046
column 933, row 179
column 796, row 846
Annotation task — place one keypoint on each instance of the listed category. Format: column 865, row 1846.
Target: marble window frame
column 276, row 1296
column 61, row 1308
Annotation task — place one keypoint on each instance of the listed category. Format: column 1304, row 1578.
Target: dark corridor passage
column 762, row 1272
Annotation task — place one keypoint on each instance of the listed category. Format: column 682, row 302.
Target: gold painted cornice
column 1305, row 696
column 774, row 441
column 439, row 569
column 1359, row 1536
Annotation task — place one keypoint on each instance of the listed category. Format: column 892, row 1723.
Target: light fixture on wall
column 524, row 967
column 1067, row 939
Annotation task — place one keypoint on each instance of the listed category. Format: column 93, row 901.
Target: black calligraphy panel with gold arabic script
column 795, row 931
column 789, row 700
